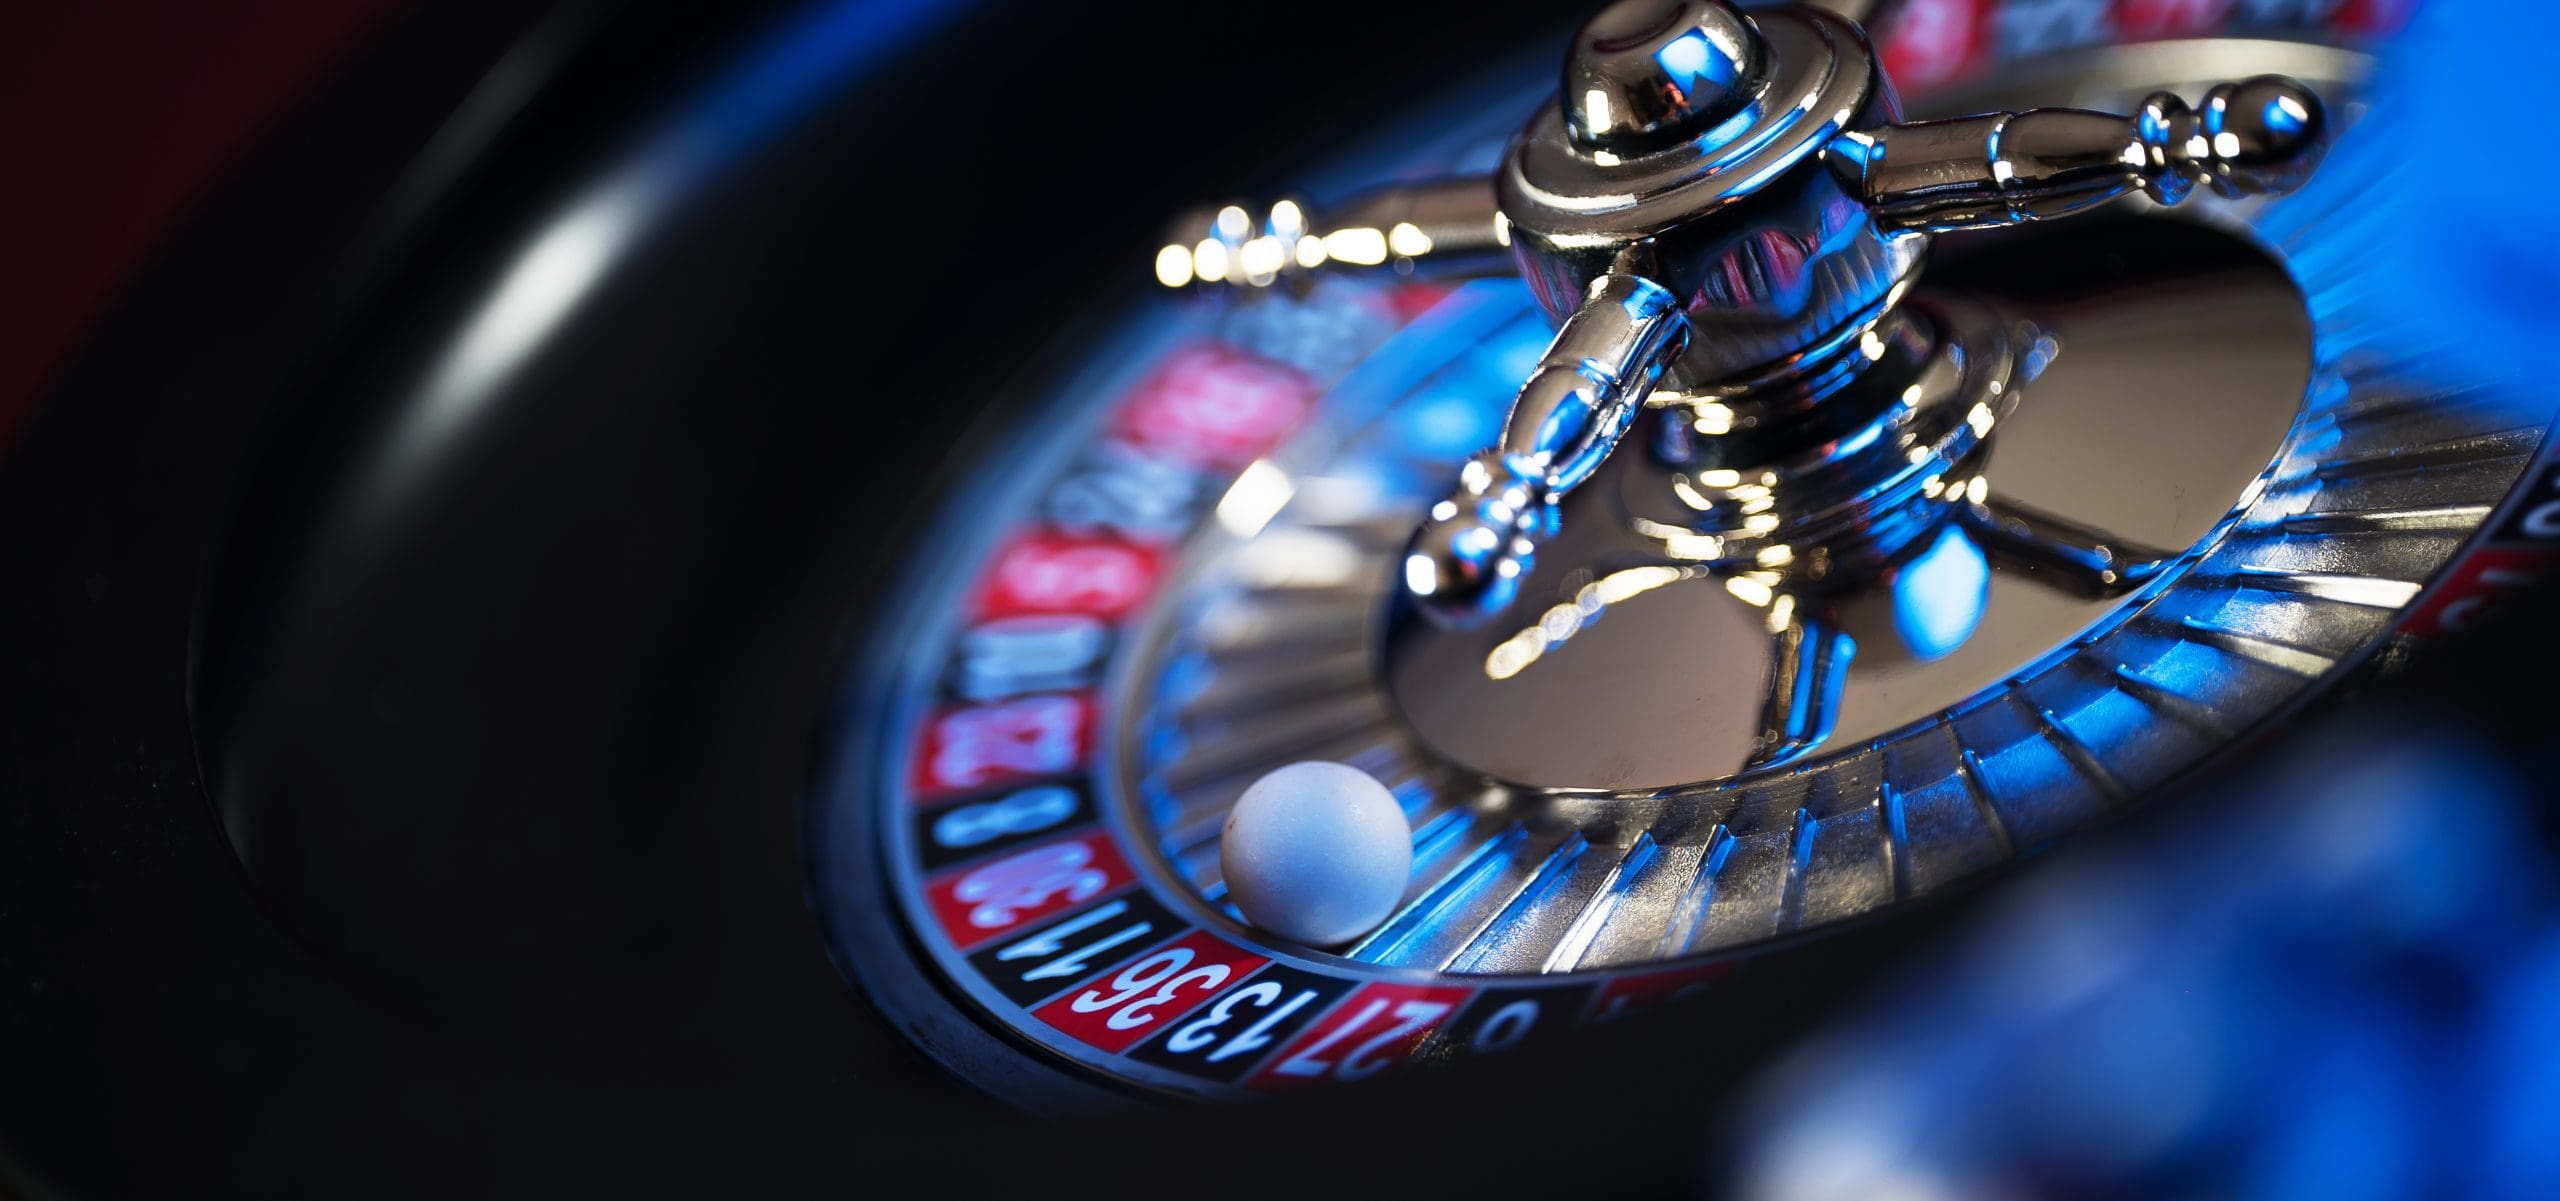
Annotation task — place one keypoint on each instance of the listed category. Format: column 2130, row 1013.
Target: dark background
column 121, row 117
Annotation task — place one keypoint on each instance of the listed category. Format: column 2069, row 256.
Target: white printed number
column 1002, row 890
column 1026, row 737
column 1015, row 655
column 1364, row 1060
column 1506, row 1029
column 1264, row 995
column 1162, row 973
column 1021, row 813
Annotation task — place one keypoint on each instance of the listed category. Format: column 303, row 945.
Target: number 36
column 1163, row 973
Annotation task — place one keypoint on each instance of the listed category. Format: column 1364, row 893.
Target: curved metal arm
column 1800, row 702
column 1440, row 227
column 1469, row 555
column 2260, row 135
column 2079, row 558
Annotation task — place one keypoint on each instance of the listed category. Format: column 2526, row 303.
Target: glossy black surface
column 511, row 739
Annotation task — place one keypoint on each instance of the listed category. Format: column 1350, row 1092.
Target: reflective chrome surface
column 1828, row 469
column 1742, row 221
column 2182, row 513
column 1785, row 207
column 2217, row 477
column 1645, row 73
column 1984, row 693
column 2008, row 534
column 2258, row 136
column 1580, row 400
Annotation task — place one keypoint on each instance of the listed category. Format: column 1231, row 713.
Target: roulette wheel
column 660, row 600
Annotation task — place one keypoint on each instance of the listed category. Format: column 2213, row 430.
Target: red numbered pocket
column 1116, row 1010
column 1377, row 1028
column 1053, row 573
column 980, row 902
column 974, row 748
column 1215, row 407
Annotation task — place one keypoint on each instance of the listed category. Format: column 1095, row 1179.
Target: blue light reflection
column 1691, row 64
column 1939, row 596
column 2336, row 981
column 2283, row 116
column 2402, row 241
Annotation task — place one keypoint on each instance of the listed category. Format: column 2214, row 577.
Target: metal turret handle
column 1471, row 551
column 2259, row 136
column 2254, row 137
column 1721, row 194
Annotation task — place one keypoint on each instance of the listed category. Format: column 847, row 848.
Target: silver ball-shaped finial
column 1645, row 73
column 2267, row 133
column 2256, row 137
column 1465, row 561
